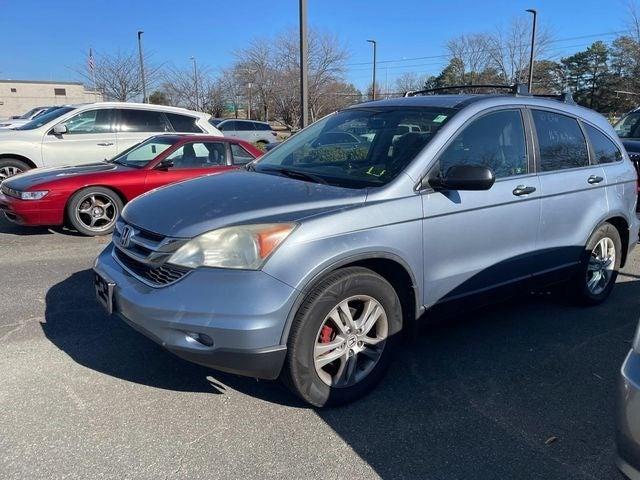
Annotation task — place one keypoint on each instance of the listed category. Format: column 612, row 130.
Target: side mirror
column 165, row 164
column 464, row 177
column 60, row 129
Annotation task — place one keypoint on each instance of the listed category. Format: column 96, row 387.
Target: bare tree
column 256, row 68
column 117, row 75
column 472, row 51
column 409, row 81
column 509, row 49
column 179, row 85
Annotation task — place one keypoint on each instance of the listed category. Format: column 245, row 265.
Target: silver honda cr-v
column 309, row 264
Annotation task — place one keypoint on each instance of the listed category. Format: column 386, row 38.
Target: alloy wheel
column 96, row 211
column 9, row 171
column 350, row 341
column 601, row 266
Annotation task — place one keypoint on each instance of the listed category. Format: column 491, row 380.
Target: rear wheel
column 10, row 167
column 93, row 210
column 343, row 337
column 601, row 261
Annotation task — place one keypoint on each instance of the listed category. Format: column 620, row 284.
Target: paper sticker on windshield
column 440, row 119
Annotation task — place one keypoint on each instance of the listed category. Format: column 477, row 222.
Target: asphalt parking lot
column 520, row 390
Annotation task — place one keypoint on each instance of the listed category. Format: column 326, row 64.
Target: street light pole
column 533, row 47
column 144, row 84
column 195, row 79
column 373, row 84
column 249, row 85
column 304, row 83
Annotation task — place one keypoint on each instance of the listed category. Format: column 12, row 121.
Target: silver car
column 628, row 413
column 247, row 130
column 310, row 265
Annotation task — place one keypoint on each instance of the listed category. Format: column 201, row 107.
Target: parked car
column 628, row 129
column 18, row 120
column 309, row 265
column 90, row 197
column 91, row 133
column 248, row 130
column 628, row 413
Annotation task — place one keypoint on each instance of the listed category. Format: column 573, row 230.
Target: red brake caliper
column 326, row 334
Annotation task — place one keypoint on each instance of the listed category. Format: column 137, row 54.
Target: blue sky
column 45, row 39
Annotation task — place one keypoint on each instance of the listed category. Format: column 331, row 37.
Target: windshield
column 357, row 148
column 141, row 154
column 45, row 118
column 628, row 126
column 29, row 114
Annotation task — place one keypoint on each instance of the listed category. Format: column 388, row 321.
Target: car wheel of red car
column 93, row 210
column 10, row 167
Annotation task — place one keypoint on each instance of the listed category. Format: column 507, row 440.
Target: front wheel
column 93, row 210
column 342, row 338
column 10, row 167
column 601, row 262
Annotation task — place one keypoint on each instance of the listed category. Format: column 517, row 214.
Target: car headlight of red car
column 34, row 195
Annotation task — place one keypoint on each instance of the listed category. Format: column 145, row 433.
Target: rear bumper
column 242, row 312
column 30, row 212
column 628, row 417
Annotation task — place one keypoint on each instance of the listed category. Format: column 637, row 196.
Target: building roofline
column 46, row 82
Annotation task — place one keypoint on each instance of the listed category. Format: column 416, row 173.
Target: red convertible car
column 90, row 197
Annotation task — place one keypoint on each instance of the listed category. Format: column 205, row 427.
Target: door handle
column 105, row 144
column 523, row 190
column 593, row 179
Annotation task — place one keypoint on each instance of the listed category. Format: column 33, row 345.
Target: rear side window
column 261, row 126
column 604, row 149
column 143, row 121
column 240, row 155
column 495, row 140
column 244, row 126
column 183, row 123
column 562, row 144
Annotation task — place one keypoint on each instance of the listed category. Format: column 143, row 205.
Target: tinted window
column 90, row 121
column 240, row 155
column 496, row 141
column 183, row 123
column 244, row 126
column 562, row 144
column 143, row 121
column 227, row 126
column 629, row 126
column 261, row 126
column 604, row 149
column 45, row 118
column 199, row 155
column 376, row 153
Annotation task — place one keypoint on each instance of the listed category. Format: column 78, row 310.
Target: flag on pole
column 90, row 63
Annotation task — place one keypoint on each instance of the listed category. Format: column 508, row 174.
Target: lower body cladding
column 628, row 417
column 229, row 320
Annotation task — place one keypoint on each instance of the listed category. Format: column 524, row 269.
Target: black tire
column 581, row 291
column 82, row 199
column 11, row 166
column 299, row 372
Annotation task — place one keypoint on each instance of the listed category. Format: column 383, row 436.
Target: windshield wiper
column 297, row 174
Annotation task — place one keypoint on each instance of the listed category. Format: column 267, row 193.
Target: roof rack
column 520, row 89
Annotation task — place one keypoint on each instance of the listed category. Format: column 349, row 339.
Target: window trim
column 423, row 186
column 534, row 133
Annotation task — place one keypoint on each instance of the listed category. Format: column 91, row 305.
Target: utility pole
column 144, row 83
column 373, row 84
column 249, row 85
column 195, row 79
column 304, row 83
column 533, row 47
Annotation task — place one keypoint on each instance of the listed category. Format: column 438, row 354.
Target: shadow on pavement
column 76, row 324
column 526, row 386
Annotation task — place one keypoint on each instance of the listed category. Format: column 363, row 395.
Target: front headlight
column 33, row 195
column 243, row 246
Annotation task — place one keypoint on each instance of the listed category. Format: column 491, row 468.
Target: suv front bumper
column 242, row 311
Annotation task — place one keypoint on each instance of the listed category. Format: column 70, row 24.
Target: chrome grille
column 144, row 254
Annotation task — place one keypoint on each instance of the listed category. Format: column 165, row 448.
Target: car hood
column 196, row 206
column 632, row 146
column 39, row 176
